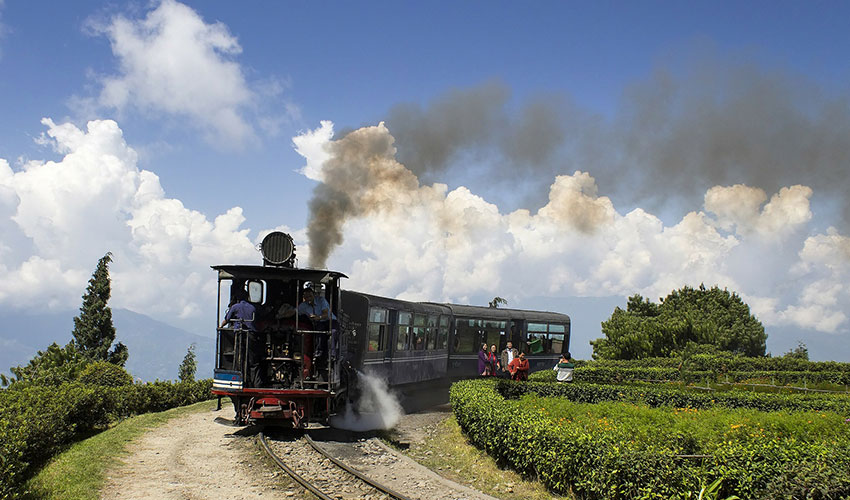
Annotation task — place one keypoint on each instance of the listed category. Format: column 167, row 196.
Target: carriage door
column 514, row 333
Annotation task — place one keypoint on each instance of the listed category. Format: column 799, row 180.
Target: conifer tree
column 93, row 328
column 189, row 365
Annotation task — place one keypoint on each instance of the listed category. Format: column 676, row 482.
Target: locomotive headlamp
column 278, row 249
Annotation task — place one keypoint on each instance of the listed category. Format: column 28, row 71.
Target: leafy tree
column 52, row 366
column 799, row 352
column 189, row 365
column 93, row 328
column 686, row 318
column 497, row 301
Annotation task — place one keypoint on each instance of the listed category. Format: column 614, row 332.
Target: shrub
column 614, row 450
column 611, row 374
column 38, row 421
column 655, row 395
column 105, row 374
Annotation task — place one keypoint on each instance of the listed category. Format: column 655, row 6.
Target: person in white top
column 564, row 368
column 508, row 355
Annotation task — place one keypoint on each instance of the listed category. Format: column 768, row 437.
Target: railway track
column 323, row 475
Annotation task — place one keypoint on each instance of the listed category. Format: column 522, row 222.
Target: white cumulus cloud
column 740, row 207
column 174, row 62
column 64, row 215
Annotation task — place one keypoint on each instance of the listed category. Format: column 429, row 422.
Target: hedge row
column 36, row 422
column 722, row 363
column 624, row 373
column 654, row 395
column 614, row 451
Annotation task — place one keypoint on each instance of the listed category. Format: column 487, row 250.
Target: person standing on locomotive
column 241, row 316
column 318, row 310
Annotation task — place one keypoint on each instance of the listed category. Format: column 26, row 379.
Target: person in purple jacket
column 483, row 361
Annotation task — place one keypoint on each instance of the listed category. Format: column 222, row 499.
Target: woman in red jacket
column 519, row 367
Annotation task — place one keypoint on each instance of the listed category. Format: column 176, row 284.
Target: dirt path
column 195, row 458
column 192, row 458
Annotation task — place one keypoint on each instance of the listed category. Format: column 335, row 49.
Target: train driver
column 318, row 310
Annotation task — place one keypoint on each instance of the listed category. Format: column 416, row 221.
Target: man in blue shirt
column 241, row 314
column 318, row 310
column 316, row 307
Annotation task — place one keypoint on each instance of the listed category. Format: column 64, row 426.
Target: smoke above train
column 754, row 148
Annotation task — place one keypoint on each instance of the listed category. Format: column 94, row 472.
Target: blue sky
column 351, row 62
column 214, row 115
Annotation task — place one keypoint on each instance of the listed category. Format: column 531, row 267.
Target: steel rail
column 294, row 475
column 371, row 482
column 313, row 489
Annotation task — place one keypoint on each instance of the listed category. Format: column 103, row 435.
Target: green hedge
column 36, row 422
column 616, row 451
column 611, row 374
column 723, row 363
column 605, row 373
column 655, row 395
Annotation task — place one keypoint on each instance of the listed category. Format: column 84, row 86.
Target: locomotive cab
column 278, row 348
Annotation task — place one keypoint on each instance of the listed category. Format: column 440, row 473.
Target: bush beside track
column 625, row 373
column 36, row 422
column 659, row 395
column 726, row 362
column 613, row 450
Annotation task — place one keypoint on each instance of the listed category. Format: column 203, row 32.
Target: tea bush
column 659, row 395
column 726, row 362
column 613, row 450
column 105, row 374
column 36, row 422
column 612, row 374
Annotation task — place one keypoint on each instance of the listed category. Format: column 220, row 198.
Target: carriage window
column 419, row 332
column 377, row 329
column 404, row 330
column 442, row 336
column 537, row 333
column 377, row 315
column 546, row 338
column 494, row 331
column 556, row 343
column 466, row 336
column 431, row 333
column 557, row 336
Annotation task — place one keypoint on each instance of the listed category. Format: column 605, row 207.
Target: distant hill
column 156, row 349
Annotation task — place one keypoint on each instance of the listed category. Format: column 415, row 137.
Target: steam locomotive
column 283, row 366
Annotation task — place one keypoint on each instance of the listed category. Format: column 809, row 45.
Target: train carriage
column 281, row 366
column 542, row 335
column 402, row 342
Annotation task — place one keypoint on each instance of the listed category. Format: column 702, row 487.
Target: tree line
column 92, row 342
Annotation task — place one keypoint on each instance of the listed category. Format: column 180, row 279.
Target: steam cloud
column 377, row 408
column 671, row 138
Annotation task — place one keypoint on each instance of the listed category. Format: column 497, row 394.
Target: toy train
column 281, row 361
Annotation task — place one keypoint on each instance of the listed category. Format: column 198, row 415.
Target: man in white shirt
column 508, row 355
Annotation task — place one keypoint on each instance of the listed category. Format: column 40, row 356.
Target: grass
column 447, row 452
column 80, row 472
